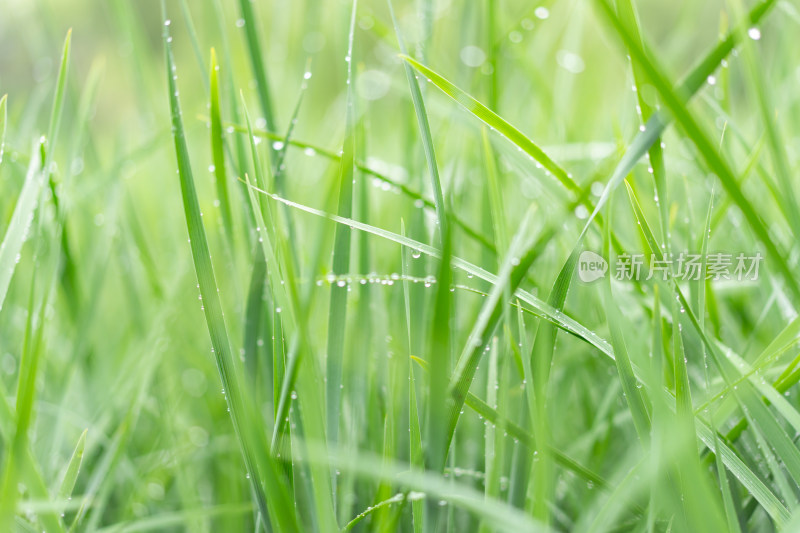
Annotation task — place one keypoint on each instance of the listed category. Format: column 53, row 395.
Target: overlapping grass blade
column 491, row 119
column 21, row 221
column 261, row 481
column 425, row 134
column 703, row 144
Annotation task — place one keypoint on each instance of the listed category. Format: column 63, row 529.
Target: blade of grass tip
column 687, row 88
column 337, row 311
column 630, row 387
column 425, row 133
column 73, row 469
column 282, row 517
column 217, row 149
column 703, row 144
column 69, row 276
column 269, row 239
column 400, row 498
column 21, row 220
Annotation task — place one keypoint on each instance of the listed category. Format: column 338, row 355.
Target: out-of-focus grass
column 377, row 323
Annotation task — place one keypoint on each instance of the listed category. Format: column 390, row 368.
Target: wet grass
column 344, row 290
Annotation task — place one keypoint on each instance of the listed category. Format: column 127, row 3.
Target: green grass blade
column 257, row 62
column 439, row 349
column 282, row 516
column 703, row 145
column 337, row 312
column 425, row 134
column 21, row 220
column 58, row 101
column 217, row 149
column 73, row 468
column 630, row 386
column 491, row 119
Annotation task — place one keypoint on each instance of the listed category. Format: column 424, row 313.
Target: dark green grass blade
column 283, row 516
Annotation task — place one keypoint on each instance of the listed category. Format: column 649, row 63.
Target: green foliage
column 387, row 257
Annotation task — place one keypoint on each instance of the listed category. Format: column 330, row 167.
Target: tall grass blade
column 282, row 516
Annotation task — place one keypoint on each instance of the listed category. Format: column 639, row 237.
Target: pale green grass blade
column 542, row 308
column 630, row 386
column 73, row 469
column 400, row 498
